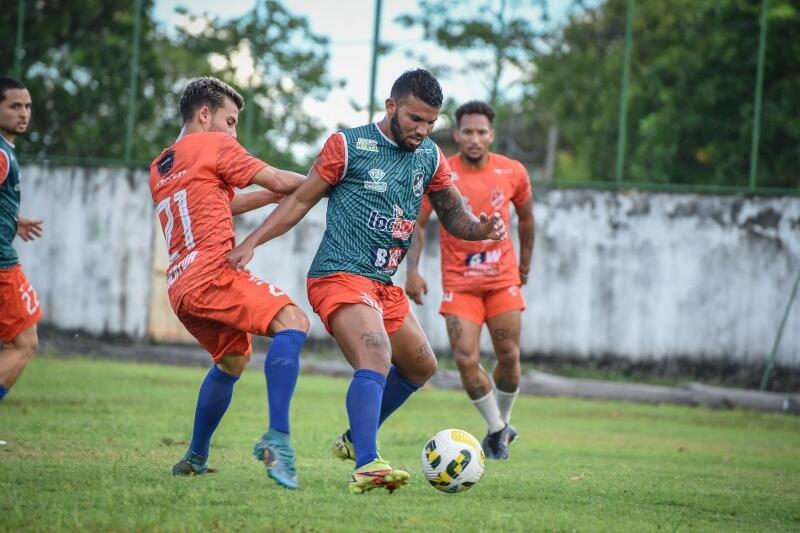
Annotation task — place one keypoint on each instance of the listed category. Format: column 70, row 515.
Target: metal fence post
column 133, row 83
column 623, row 99
column 18, row 51
column 375, row 46
column 762, row 47
column 771, row 359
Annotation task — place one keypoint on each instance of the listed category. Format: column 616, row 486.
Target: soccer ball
column 453, row 460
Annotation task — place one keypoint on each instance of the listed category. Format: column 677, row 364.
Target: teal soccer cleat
column 274, row 449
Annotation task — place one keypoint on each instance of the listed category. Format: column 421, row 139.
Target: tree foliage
column 77, row 65
column 691, row 89
column 490, row 34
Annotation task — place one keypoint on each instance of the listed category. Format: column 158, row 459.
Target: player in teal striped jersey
column 18, row 301
column 375, row 176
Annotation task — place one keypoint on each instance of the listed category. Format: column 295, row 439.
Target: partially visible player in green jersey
column 19, row 305
column 375, row 176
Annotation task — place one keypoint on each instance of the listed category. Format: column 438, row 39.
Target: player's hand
column 493, row 227
column 240, row 256
column 29, row 229
column 416, row 286
column 524, row 270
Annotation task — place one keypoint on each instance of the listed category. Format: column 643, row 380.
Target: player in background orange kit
column 192, row 183
column 481, row 280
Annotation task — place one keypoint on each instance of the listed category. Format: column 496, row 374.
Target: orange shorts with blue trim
column 327, row 294
column 223, row 313
column 479, row 306
column 19, row 304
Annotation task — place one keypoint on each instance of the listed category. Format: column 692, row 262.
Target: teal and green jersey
column 375, row 195
column 9, row 202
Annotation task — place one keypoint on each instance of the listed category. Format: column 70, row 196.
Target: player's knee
column 466, row 360
column 234, row 364
column 290, row 317
column 427, row 369
column 508, row 356
column 27, row 344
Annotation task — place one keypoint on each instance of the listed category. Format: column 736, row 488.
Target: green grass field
column 91, row 444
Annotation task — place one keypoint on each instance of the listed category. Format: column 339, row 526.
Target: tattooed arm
column 461, row 223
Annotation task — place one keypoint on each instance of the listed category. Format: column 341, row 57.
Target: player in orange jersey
column 482, row 280
column 192, row 183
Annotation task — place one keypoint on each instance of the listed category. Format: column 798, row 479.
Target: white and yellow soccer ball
column 453, row 460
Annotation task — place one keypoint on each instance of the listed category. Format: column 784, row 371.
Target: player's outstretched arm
column 250, row 201
column 29, row 229
column 526, row 230
column 459, row 222
column 290, row 211
column 277, row 180
column 415, row 283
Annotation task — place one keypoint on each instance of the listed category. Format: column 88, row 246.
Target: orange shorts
column 328, row 293
column 223, row 313
column 480, row 306
column 19, row 304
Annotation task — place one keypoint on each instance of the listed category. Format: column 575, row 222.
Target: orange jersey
column 470, row 265
column 192, row 183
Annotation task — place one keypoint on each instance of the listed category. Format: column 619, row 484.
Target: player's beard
column 475, row 161
column 394, row 127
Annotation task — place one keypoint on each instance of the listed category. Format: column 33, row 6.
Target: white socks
column 505, row 401
column 490, row 411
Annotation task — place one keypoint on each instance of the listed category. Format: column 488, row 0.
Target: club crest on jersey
column 368, row 145
column 166, row 162
column 419, row 182
column 496, row 197
column 377, row 184
column 400, row 228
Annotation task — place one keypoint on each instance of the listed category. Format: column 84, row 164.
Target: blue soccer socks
column 397, row 391
column 212, row 402
column 281, row 369
column 363, row 409
column 3, row 392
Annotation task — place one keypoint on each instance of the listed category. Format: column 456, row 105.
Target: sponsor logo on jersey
column 174, row 273
column 419, row 182
column 513, row 290
column 387, row 259
column 453, row 176
column 400, row 228
column 377, row 184
column 501, row 171
column 368, row 145
column 163, row 181
column 447, row 297
column 488, row 257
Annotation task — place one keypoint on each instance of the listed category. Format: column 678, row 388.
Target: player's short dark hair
column 7, row 83
column 210, row 92
column 474, row 107
column 421, row 84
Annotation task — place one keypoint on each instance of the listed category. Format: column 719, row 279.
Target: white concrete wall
column 643, row 275
column 637, row 275
column 92, row 267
